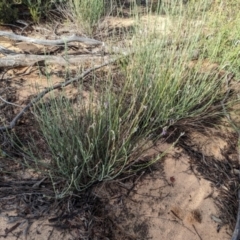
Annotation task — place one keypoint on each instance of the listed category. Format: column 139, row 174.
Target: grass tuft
column 99, row 137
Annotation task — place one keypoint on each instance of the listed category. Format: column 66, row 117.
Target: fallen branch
column 5, row 101
column 47, row 90
column 22, row 60
column 6, row 51
column 197, row 232
column 63, row 41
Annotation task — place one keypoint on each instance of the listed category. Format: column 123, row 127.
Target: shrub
column 102, row 136
column 91, row 141
column 222, row 42
column 8, row 12
column 86, row 13
column 174, row 91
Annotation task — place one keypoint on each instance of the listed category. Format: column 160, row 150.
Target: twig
column 180, row 223
column 134, row 184
column 47, row 90
column 175, row 215
column 10, row 25
column 50, row 235
column 197, row 232
column 57, row 42
column 6, row 51
column 13, row 104
column 7, row 231
column 236, row 233
column 26, row 26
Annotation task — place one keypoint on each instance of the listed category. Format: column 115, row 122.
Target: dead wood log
column 63, row 41
column 22, row 60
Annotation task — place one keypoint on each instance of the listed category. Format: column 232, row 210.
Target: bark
column 63, row 41
column 22, row 60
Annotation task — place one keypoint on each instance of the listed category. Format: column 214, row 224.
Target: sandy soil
column 170, row 202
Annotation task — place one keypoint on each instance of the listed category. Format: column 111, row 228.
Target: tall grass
column 90, row 141
column 87, row 13
column 222, row 42
column 164, row 82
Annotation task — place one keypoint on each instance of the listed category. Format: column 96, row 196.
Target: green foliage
column 8, row 13
column 38, row 8
column 173, row 91
column 222, row 44
column 9, row 10
column 87, row 13
column 90, row 142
